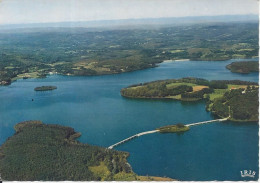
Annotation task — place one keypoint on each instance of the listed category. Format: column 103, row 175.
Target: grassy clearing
column 122, row 176
column 135, row 87
column 57, row 63
column 236, row 86
column 178, row 97
column 198, row 88
column 90, row 65
column 217, row 93
column 238, row 56
column 10, row 67
column 27, row 75
column 100, row 171
column 101, row 69
column 151, row 178
column 173, row 85
column 176, row 51
column 246, row 49
column 220, row 92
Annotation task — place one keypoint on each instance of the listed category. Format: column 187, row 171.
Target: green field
column 220, row 92
column 217, row 93
column 173, row 85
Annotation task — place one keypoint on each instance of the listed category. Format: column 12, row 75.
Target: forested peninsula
column 244, row 67
column 46, row 152
column 89, row 52
column 235, row 99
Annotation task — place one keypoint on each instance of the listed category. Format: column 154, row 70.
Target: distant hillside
column 37, row 52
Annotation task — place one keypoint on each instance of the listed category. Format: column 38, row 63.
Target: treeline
column 50, row 153
column 223, row 84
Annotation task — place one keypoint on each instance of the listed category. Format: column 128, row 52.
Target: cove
column 94, row 107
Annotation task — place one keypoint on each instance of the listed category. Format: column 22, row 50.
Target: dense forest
column 234, row 98
column 244, row 67
column 50, row 152
column 82, row 51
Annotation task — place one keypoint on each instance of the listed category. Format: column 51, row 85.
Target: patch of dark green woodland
column 244, row 67
column 116, row 51
column 223, row 84
column 50, row 152
column 197, row 94
column 240, row 104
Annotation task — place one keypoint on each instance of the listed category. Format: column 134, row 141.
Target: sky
column 42, row 11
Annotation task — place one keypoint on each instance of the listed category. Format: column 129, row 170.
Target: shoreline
column 5, row 83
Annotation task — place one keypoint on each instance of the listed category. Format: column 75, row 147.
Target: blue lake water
column 94, row 107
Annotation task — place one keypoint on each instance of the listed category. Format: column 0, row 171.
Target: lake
column 94, row 107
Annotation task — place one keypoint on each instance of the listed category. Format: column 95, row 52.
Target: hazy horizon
column 134, row 19
column 55, row 11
